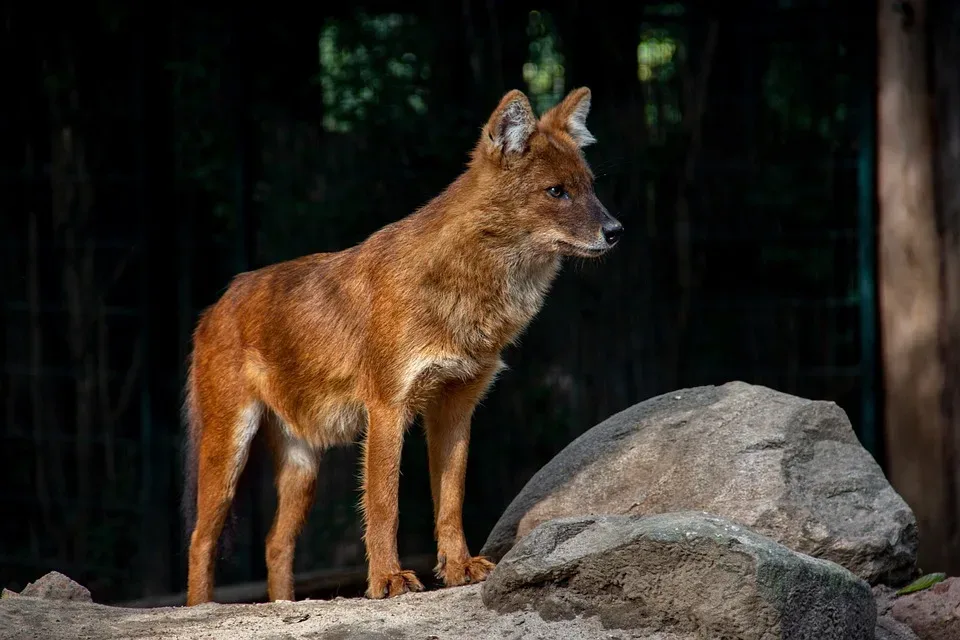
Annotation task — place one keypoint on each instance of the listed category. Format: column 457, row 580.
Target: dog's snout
column 612, row 230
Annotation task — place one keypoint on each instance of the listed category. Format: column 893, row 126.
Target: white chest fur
column 527, row 287
column 426, row 371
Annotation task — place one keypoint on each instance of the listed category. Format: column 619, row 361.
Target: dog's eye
column 557, row 191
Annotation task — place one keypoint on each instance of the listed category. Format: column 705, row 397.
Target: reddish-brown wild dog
column 318, row 350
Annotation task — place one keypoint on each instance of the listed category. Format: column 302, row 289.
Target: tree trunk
column 945, row 18
column 909, row 278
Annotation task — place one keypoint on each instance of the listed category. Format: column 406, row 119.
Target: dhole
column 319, row 350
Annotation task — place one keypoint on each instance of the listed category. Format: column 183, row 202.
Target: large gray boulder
column 790, row 468
column 689, row 574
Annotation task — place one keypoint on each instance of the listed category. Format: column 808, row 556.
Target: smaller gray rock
column 888, row 627
column 56, row 586
column 891, row 629
column 689, row 573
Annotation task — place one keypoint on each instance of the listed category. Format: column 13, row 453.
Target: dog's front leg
column 381, row 484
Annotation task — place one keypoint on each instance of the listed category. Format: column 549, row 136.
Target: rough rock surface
column 889, row 628
column 56, row 586
column 789, row 468
column 686, row 573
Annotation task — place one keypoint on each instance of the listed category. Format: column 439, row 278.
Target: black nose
column 612, row 231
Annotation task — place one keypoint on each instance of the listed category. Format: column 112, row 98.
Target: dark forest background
column 150, row 153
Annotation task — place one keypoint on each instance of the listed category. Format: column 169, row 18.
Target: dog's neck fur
column 487, row 286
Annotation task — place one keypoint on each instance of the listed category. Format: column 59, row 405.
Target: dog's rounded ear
column 509, row 128
column 571, row 116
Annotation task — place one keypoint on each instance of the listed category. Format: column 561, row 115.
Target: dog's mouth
column 569, row 248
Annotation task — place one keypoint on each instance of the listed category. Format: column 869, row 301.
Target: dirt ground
column 435, row 615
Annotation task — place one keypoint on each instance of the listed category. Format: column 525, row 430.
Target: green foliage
column 368, row 68
column 543, row 72
column 655, row 55
column 658, row 51
column 921, row 583
column 375, row 76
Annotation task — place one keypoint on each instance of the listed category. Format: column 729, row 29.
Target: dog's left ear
column 571, row 116
column 510, row 126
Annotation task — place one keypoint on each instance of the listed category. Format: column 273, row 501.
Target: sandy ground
column 435, row 615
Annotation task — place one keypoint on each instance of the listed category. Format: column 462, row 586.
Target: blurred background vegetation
column 150, row 155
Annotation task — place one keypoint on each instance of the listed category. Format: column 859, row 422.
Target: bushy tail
column 191, row 444
column 191, row 463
